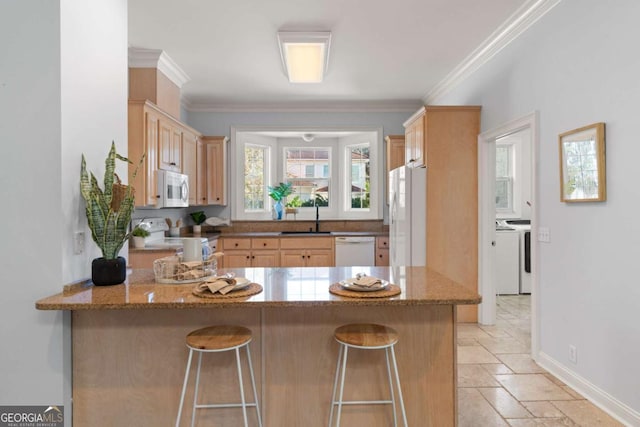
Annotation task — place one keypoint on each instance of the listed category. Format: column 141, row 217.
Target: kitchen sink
column 305, row 232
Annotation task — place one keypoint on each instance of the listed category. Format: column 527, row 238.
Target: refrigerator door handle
column 392, row 208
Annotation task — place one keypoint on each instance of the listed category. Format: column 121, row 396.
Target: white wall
column 63, row 80
column 219, row 124
column 30, row 258
column 94, row 111
column 576, row 66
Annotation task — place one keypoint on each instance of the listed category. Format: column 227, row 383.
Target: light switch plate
column 78, row 242
column 543, row 234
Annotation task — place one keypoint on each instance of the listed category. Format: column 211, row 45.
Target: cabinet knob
column 302, row 256
column 217, row 198
column 247, row 256
column 253, row 257
column 236, row 245
column 380, row 256
column 172, row 163
column 264, row 244
column 204, row 198
column 157, row 196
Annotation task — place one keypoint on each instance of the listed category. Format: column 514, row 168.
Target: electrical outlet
column 573, row 354
column 78, row 242
column 543, row 234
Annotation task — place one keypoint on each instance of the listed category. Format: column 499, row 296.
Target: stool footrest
column 364, row 402
column 224, row 405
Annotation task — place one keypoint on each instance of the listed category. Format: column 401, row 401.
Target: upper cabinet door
column 201, row 173
column 415, row 140
column 150, row 194
column 170, row 147
column 395, row 151
column 216, row 169
column 143, row 141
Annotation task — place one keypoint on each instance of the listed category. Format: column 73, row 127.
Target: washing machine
column 523, row 226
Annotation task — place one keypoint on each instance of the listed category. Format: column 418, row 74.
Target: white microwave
column 173, row 189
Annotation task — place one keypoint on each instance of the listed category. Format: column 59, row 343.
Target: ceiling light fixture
column 305, row 56
column 308, row 137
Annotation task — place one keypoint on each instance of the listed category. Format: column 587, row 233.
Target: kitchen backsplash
column 284, row 225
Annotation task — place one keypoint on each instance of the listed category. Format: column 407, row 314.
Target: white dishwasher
column 355, row 251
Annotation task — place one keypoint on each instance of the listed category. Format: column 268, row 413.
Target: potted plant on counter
column 198, row 218
column 108, row 215
column 279, row 193
column 137, row 237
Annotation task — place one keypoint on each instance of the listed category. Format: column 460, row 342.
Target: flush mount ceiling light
column 308, row 137
column 305, row 56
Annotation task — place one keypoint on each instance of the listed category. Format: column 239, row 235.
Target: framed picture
column 582, row 164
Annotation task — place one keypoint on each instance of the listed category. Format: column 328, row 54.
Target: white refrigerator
column 408, row 216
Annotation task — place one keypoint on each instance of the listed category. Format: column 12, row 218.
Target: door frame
column 487, row 215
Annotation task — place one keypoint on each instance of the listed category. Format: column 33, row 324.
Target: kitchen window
column 340, row 174
column 504, row 178
column 307, row 169
column 254, row 171
column 359, row 185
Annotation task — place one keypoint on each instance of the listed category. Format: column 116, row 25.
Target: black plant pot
column 108, row 271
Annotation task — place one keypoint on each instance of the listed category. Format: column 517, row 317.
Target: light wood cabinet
column 156, row 135
column 250, row 252
column 216, row 149
column 446, row 138
column 190, row 164
column 201, row 173
column 414, row 151
column 307, row 252
column 395, row 158
column 382, row 251
column 144, row 259
column 170, row 146
column 395, row 151
column 143, row 140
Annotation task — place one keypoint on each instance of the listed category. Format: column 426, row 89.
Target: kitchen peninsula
column 129, row 353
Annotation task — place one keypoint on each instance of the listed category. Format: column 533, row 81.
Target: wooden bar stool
column 216, row 339
column 366, row 337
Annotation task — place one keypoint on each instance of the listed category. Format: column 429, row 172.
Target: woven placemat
column 252, row 289
column 389, row 291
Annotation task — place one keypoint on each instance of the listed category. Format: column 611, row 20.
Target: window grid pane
column 254, row 169
column 360, row 170
column 307, row 169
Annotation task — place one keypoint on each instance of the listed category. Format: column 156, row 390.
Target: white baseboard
column 618, row 410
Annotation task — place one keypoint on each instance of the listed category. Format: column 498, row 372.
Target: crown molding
column 513, row 27
column 305, row 107
column 156, row 58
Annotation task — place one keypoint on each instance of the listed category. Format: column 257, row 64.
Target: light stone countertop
column 283, row 287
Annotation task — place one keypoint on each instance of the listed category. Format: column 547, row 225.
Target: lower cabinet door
column 237, row 259
column 265, row 259
column 319, row 258
column 292, row 258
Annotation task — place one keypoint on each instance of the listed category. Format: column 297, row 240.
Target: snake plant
column 108, row 217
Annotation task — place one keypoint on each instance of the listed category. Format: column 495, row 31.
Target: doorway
column 487, row 218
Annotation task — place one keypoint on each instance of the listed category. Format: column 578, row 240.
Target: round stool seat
column 366, row 335
column 218, row 337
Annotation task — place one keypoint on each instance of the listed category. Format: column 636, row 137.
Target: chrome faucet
column 317, row 219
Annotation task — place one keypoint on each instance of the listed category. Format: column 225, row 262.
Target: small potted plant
column 279, row 193
column 198, row 218
column 108, row 215
column 138, row 235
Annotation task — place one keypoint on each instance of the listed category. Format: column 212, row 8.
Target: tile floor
column 499, row 384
